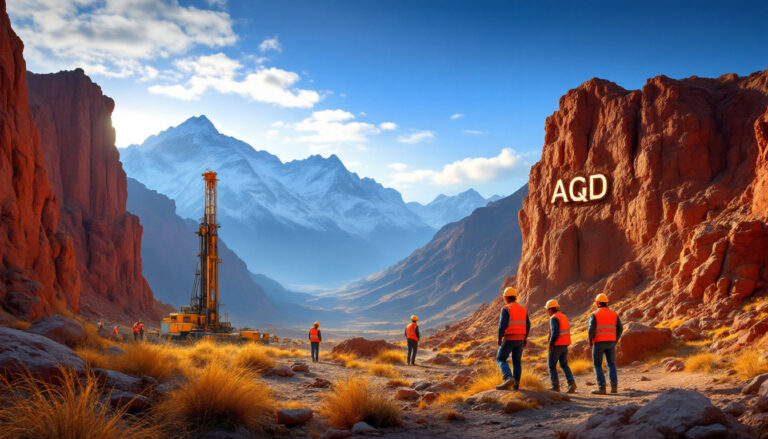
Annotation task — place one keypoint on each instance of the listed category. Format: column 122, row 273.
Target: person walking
column 604, row 331
column 141, row 330
column 114, row 332
column 514, row 326
column 315, row 337
column 135, row 331
column 412, row 337
column 559, row 339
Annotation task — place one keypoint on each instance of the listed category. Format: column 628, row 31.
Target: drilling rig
column 202, row 316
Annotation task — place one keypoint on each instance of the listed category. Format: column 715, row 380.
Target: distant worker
column 114, row 332
column 559, row 339
column 604, row 331
column 315, row 337
column 514, row 326
column 135, row 331
column 141, row 330
column 412, row 337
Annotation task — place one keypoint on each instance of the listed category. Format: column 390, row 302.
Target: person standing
column 315, row 337
column 114, row 332
column 135, row 331
column 604, row 331
column 559, row 339
column 514, row 326
column 141, row 330
column 412, row 337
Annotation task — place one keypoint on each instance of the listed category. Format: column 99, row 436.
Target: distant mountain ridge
column 304, row 221
column 446, row 209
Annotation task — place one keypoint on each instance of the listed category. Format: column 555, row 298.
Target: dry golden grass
column 453, row 415
column 398, row 382
column 382, row 370
column 21, row 325
column 68, row 409
column 580, row 366
column 390, row 356
column 705, row 362
column 514, row 404
column 540, row 367
column 461, row 347
column 344, row 357
column 219, row 397
column 468, row 361
column 486, row 377
column 254, row 357
column 748, row 364
column 354, row 364
column 354, row 399
column 162, row 362
column 531, row 381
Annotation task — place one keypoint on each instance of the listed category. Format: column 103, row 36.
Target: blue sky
column 428, row 97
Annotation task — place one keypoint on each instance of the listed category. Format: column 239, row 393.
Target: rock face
column 84, row 169
column 37, row 261
column 682, row 227
column 60, row 329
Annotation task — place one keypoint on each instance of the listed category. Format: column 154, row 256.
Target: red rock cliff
column 682, row 230
column 78, row 145
column 37, row 263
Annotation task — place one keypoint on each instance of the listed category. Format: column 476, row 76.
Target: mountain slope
column 447, row 209
column 461, row 268
column 305, row 221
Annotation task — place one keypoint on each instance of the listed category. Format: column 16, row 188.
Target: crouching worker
column 412, row 337
column 559, row 339
column 315, row 337
column 514, row 326
column 604, row 331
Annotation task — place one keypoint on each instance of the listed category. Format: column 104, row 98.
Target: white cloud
column 217, row 3
column 225, row 75
column 333, row 126
column 271, row 44
column 416, row 137
column 474, row 132
column 478, row 169
column 397, row 166
column 388, row 126
column 456, row 116
column 278, row 123
column 114, row 37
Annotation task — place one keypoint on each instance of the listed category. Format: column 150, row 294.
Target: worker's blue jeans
column 413, row 346
column 559, row 354
column 607, row 349
column 515, row 349
column 315, row 350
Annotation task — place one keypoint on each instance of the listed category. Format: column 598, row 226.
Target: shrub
column 705, row 362
column 354, row 399
column 748, row 364
column 397, row 382
column 254, row 357
column 461, row 347
column 486, row 378
column 354, row 364
column 382, row 370
column 219, row 398
column 69, row 408
column 531, row 381
column 390, row 357
column 162, row 362
column 580, row 366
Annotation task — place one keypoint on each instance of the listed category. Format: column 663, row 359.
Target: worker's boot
column 572, row 387
column 614, row 388
column 599, row 391
column 555, row 387
column 505, row 385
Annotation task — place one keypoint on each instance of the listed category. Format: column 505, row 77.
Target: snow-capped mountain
column 446, row 209
column 305, row 221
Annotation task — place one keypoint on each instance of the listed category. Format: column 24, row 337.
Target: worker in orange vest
column 604, row 331
column 114, row 332
column 135, row 331
column 412, row 337
column 141, row 330
column 514, row 326
column 315, row 337
column 559, row 339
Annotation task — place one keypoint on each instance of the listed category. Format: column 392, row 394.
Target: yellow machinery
column 202, row 317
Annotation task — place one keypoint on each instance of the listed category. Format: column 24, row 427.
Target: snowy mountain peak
column 446, row 209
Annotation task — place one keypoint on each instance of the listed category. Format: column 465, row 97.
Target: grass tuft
column 354, row 399
column 390, row 356
column 580, row 367
column 382, row 370
column 453, row 415
column 461, row 347
column 705, row 362
column 397, row 382
column 748, row 364
column 254, row 357
column 161, row 362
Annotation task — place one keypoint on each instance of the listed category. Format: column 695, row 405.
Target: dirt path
column 638, row 385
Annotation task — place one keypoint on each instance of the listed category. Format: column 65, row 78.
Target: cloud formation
column 271, row 44
column 114, row 37
column 417, row 137
column 473, row 132
column 225, row 75
column 333, row 127
column 476, row 170
column 388, row 126
column 456, row 116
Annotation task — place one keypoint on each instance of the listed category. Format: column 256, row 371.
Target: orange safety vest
column 135, row 328
column 564, row 339
column 605, row 329
column 516, row 326
column 313, row 336
column 410, row 331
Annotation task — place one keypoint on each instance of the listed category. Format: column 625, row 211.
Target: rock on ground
column 293, row 416
column 118, row 380
column 362, row 347
column 336, row 434
column 60, row 329
column 754, row 383
column 282, row 371
column 639, row 340
column 132, row 402
column 22, row 351
column 762, row 397
column 363, row 428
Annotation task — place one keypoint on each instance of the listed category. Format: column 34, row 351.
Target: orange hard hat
column 414, row 318
column 510, row 292
column 317, row 323
column 601, row 298
column 552, row 303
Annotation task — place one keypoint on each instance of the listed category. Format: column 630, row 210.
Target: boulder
column 131, row 402
column 672, row 364
column 461, row 379
column 421, row 385
column 112, row 379
column 735, row 409
column 676, row 413
column 282, row 371
column 754, row 383
column 405, row 394
column 336, row 434
column 580, row 350
column 638, row 341
column 319, row 383
column 300, row 367
column 22, row 351
column 689, row 330
column 363, row 428
column 293, row 416
column 441, row 359
column 113, row 350
column 429, row 396
column 362, row 347
column 60, row 329
column 762, row 397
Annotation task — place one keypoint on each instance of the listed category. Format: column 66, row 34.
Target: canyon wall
column 37, row 261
